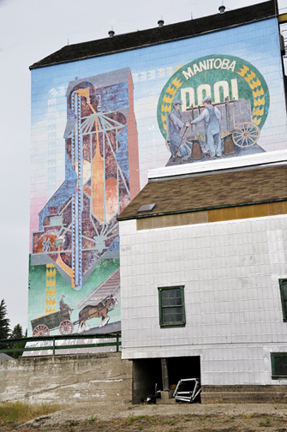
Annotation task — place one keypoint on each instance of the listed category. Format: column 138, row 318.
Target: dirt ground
column 126, row 417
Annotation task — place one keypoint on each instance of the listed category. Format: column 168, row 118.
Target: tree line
column 7, row 333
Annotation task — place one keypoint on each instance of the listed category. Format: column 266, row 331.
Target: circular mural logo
column 223, row 78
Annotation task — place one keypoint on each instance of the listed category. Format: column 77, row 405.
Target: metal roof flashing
column 273, row 158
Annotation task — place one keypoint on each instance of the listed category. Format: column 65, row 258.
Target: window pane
column 281, row 365
column 171, row 298
column 173, row 315
column 171, row 304
column 166, row 302
column 284, row 288
column 283, row 293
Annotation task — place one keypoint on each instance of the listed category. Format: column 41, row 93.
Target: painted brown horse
column 99, row 311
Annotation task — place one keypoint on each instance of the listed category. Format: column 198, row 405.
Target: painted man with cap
column 175, row 125
column 211, row 116
column 64, row 306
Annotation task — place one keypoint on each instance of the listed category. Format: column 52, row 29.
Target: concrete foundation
column 166, row 398
column 244, row 393
column 66, row 379
column 97, row 377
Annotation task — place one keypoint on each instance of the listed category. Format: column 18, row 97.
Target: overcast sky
column 29, row 31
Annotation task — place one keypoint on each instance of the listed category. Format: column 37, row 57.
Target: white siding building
column 217, row 232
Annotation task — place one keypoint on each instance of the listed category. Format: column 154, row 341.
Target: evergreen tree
column 4, row 322
column 17, row 332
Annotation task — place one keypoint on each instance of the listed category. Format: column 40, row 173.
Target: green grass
column 170, row 421
column 265, row 423
column 91, row 420
column 18, row 412
column 73, row 423
column 189, row 417
column 132, row 419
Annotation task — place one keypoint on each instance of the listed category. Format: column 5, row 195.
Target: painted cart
column 236, row 120
column 236, row 123
column 61, row 319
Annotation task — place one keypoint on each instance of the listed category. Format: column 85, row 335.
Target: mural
column 78, row 226
column 224, row 102
column 73, row 311
column 99, row 124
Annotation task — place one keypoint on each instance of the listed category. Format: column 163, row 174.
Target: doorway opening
column 148, row 375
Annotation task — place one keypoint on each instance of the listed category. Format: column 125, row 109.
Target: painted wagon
column 236, row 121
column 61, row 319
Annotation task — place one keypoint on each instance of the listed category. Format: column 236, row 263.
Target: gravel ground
column 162, row 418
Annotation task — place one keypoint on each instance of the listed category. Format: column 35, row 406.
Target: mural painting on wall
column 94, row 138
column 213, row 107
column 78, row 229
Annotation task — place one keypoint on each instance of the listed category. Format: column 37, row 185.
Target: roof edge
column 142, row 39
column 196, row 210
column 206, row 168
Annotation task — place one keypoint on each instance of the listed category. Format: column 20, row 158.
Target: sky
column 30, row 30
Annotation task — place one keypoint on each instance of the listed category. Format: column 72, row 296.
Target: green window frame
column 283, row 293
column 171, row 306
column 279, row 365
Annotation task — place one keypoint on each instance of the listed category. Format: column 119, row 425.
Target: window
column 279, row 365
column 171, row 306
column 283, row 292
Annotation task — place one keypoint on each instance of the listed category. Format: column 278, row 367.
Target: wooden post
column 227, row 113
column 164, row 373
column 118, row 342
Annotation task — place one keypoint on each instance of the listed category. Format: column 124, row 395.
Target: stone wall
column 66, row 379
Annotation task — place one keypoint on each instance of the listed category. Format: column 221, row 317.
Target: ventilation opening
column 147, row 375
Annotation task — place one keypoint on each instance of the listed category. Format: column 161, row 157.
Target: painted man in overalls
column 211, row 116
column 175, row 125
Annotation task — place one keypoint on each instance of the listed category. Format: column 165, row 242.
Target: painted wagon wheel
column 66, row 327
column 246, row 134
column 41, row 330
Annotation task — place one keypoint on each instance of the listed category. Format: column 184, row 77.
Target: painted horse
column 99, row 311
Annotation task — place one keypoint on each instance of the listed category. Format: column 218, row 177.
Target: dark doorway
column 147, row 373
column 182, row 368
